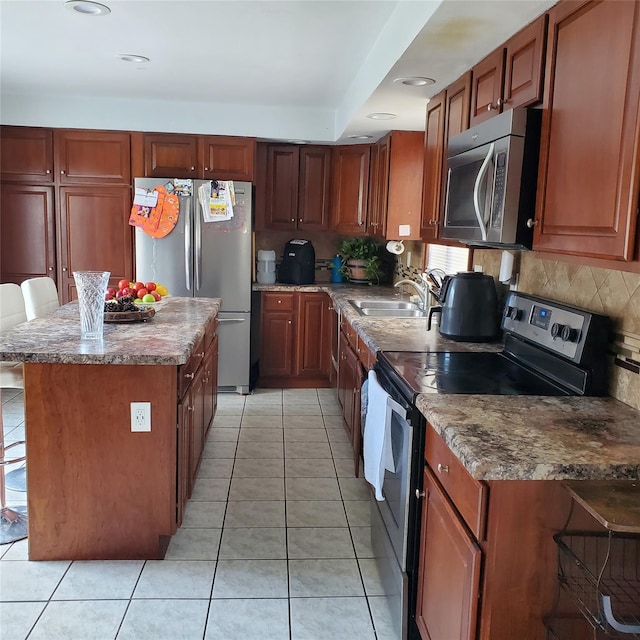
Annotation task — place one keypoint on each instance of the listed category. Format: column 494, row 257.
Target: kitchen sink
column 388, row 308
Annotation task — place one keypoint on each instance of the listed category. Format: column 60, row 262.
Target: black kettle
column 469, row 308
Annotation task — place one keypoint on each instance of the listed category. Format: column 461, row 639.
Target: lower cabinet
column 449, row 574
column 295, row 339
column 197, row 399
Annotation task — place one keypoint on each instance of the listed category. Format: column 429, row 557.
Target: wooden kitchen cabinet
column 395, row 209
column 350, row 187
column 458, row 104
column 93, row 234
column 434, row 165
column 199, row 157
column 449, row 571
column 27, row 232
column 27, row 154
column 92, row 157
column 296, row 187
column 294, row 340
column 589, row 171
column 511, row 76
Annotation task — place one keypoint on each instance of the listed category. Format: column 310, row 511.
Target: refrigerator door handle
column 198, row 242
column 187, row 241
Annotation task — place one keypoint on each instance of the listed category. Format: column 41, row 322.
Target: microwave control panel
column 557, row 327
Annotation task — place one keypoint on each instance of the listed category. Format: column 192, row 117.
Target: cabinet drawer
column 278, row 301
column 467, row 494
column 367, row 357
column 187, row 371
column 350, row 332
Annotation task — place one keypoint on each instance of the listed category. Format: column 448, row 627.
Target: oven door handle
column 476, row 191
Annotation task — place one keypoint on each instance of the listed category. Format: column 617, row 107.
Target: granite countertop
column 538, row 438
column 167, row 339
column 384, row 333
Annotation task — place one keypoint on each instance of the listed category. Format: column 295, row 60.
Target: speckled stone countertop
column 538, row 438
column 167, row 339
column 384, row 334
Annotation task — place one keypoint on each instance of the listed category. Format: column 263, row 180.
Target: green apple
column 148, row 298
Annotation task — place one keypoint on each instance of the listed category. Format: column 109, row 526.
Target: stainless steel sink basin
column 388, row 308
column 394, row 313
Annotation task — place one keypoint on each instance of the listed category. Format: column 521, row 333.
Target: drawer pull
column 201, row 354
column 191, row 376
column 443, row 468
column 420, row 494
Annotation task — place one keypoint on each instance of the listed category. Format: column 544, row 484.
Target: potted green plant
column 360, row 260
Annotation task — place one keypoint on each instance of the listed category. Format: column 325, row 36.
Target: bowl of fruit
column 140, row 292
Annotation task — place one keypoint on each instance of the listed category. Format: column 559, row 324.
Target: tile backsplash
column 613, row 293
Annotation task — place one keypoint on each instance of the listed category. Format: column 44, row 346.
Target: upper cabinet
column 511, row 76
column 396, row 186
column 198, row 157
column 447, row 116
column 85, row 157
column 27, row 154
column 294, row 183
column 350, row 188
column 589, row 171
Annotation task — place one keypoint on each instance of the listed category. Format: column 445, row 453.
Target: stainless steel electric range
column 549, row 349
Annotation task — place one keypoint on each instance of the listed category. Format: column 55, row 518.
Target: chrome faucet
column 421, row 291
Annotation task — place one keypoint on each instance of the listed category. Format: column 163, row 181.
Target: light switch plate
column 140, row 416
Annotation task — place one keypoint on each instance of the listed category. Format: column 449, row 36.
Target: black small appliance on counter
column 298, row 264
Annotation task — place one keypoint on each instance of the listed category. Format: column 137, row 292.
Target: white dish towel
column 377, row 447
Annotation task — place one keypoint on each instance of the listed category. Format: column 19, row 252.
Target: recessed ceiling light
column 132, row 57
column 297, row 141
column 360, row 137
column 382, row 116
column 87, row 8
column 416, row 81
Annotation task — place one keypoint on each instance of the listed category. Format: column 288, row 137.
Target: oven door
column 481, row 184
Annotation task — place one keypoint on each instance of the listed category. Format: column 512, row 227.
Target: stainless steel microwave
column 491, row 179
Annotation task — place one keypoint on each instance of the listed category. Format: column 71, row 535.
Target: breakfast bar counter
column 100, row 487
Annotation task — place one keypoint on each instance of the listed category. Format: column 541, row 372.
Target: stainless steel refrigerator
column 210, row 260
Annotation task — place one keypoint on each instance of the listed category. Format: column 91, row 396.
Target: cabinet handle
column 193, row 168
column 206, row 168
column 443, row 468
column 293, row 219
column 50, row 268
column 201, row 354
column 64, row 268
column 288, row 321
column 191, row 376
column 420, row 494
column 48, row 171
column 62, row 172
column 433, row 222
column 531, row 223
column 189, row 408
column 493, row 107
column 299, row 219
column 279, row 301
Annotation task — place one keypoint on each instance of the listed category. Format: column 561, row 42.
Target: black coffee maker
column 298, row 264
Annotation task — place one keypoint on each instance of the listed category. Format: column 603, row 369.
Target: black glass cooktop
column 466, row 373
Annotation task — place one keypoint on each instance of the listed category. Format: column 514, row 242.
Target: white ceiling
column 280, row 69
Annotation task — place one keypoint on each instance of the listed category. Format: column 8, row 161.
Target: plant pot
column 357, row 270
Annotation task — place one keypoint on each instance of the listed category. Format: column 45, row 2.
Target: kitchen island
column 97, row 489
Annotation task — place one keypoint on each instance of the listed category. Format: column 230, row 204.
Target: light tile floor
column 275, row 543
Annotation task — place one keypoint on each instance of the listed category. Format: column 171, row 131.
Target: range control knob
column 514, row 313
column 568, row 334
column 556, row 329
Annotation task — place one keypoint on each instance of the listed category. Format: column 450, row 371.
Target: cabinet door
column 458, row 105
column 94, row 234
column 84, row 157
column 374, row 206
column 433, row 167
column 170, row 156
column 382, row 185
column 449, row 571
column 210, row 376
column 314, row 188
column 197, row 408
column 350, row 189
column 524, row 65
column 310, row 343
column 276, row 343
column 351, row 381
column 27, row 154
column 227, row 158
column 27, row 232
column 329, row 338
column 282, row 187
column 486, row 87
column 589, row 172
column 182, row 457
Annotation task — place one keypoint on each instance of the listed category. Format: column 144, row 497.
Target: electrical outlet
column 140, row 416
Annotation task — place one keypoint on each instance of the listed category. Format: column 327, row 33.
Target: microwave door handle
column 476, row 192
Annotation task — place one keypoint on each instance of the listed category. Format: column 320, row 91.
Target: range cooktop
column 549, row 349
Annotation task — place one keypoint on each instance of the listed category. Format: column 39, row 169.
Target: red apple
column 141, row 292
column 122, row 284
column 120, row 293
column 137, row 286
column 156, row 295
column 112, row 291
column 150, row 286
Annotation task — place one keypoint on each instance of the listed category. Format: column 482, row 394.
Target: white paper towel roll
column 506, row 267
